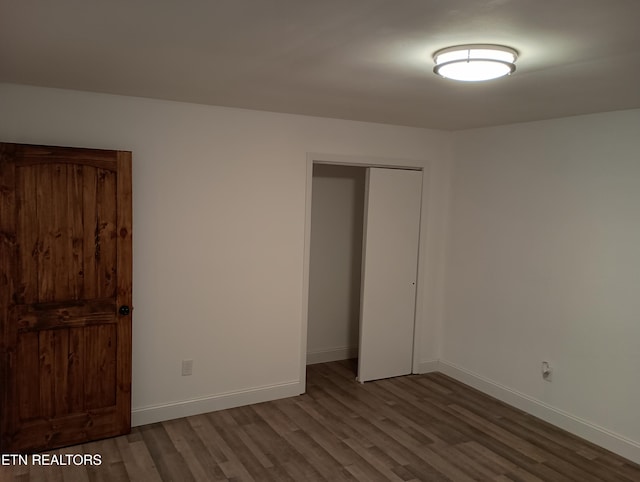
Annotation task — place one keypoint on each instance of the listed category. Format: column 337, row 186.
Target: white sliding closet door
column 389, row 270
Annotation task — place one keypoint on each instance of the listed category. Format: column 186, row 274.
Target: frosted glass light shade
column 472, row 63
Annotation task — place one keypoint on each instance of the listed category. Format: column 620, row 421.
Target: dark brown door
column 65, row 296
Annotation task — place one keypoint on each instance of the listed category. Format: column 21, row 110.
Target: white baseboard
column 185, row 408
column 614, row 442
column 335, row 354
column 428, row 366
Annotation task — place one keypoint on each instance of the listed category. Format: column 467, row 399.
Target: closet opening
column 335, row 263
column 362, row 238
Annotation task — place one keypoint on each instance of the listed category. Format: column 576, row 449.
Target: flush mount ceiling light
column 472, row 63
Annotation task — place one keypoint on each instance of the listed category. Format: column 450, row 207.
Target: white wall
column 544, row 264
column 337, row 211
column 219, row 227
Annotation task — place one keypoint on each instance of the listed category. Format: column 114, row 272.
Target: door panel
column 389, row 270
column 65, row 268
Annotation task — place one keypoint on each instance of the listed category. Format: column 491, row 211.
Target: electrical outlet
column 187, row 367
column 547, row 371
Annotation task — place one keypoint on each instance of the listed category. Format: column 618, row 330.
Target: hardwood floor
column 414, row 428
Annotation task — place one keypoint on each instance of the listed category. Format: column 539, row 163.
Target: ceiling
column 366, row 60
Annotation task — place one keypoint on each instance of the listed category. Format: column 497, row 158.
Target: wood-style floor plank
column 406, row 429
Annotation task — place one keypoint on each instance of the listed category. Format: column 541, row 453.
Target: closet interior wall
column 337, row 210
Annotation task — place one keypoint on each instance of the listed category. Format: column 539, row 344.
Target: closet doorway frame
column 364, row 162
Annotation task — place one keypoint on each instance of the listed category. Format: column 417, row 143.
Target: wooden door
column 65, row 272
column 389, row 271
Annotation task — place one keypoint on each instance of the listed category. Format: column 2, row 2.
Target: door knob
column 124, row 310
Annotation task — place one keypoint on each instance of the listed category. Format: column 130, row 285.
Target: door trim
column 364, row 162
